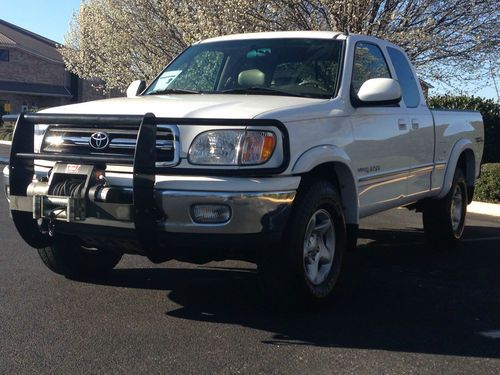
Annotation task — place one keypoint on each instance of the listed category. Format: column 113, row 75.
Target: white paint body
column 394, row 155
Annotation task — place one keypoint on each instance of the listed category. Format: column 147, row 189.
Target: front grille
column 112, row 142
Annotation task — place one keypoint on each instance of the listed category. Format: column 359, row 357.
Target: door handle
column 414, row 124
column 402, row 124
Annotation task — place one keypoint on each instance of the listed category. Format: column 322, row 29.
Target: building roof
column 26, row 40
column 36, row 89
column 426, row 84
column 5, row 40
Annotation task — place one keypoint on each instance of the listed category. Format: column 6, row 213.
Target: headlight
column 39, row 133
column 232, row 147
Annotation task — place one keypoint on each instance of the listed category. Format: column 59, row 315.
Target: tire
column 306, row 267
column 444, row 219
column 66, row 256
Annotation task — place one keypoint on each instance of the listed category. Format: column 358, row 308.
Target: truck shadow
column 392, row 296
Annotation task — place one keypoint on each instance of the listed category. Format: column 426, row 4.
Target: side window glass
column 406, row 78
column 369, row 63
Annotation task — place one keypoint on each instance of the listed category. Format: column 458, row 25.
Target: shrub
column 490, row 110
column 488, row 185
column 6, row 131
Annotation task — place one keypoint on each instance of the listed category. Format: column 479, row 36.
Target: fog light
column 210, row 213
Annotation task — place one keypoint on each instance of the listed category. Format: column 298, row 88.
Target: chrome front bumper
column 252, row 212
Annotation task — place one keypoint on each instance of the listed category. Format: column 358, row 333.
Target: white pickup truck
column 268, row 147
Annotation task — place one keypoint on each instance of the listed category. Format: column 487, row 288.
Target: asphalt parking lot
column 399, row 308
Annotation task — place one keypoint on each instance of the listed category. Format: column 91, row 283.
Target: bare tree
column 120, row 40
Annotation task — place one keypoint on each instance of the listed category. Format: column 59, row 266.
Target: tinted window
column 369, row 63
column 4, row 55
column 406, row 78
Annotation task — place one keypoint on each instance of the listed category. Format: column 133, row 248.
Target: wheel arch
column 462, row 156
column 332, row 163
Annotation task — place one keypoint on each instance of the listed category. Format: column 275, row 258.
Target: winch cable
column 68, row 188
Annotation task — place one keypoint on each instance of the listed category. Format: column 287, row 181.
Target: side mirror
column 135, row 88
column 379, row 91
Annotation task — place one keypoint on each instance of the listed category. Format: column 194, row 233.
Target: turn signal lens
column 258, row 147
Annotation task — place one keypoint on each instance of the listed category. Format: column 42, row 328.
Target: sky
column 50, row 18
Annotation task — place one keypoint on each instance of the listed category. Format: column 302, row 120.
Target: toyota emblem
column 99, row 140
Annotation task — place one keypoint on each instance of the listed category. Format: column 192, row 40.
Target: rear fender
column 463, row 145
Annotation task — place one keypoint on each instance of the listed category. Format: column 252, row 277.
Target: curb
column 7, row 143
column 481, row 208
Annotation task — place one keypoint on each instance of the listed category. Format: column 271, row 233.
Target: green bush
column 490, row 110
column 6, row 132
column 488, row 185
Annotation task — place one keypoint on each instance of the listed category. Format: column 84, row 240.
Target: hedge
column 490, row 110
column 488, row 185
column 6, row 131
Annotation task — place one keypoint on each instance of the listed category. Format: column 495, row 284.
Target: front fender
column 329, row 154
column 320, row 155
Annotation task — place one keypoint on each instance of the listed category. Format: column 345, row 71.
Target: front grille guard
column 145, row 212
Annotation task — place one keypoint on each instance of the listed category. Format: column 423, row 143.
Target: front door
column 380, row 151
column 421, row 127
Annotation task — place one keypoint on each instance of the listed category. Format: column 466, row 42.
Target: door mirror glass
column 379, row 91
column 135, row 88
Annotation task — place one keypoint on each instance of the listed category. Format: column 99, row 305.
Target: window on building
column 4, row 55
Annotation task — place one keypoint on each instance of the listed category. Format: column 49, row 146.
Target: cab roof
column 276, row 35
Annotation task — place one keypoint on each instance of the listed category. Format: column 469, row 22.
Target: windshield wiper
column 259, row 90
column 173, row 91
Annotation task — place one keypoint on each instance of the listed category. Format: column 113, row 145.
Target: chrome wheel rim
column 319, row 247
column 457, row 207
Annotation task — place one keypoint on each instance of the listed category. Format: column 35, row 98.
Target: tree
column 121, row 40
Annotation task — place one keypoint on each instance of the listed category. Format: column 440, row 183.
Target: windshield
column 297, row 67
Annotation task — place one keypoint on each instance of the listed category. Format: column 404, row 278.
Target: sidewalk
column 481, row 208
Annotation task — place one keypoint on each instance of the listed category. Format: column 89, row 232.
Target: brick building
column 33, row 75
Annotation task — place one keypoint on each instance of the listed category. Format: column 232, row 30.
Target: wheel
column 444, row 219
column 306, row 267
column 67, row 256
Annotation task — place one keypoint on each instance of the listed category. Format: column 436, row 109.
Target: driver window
column 369, row 62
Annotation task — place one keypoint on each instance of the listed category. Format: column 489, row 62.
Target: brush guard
column 144, row 211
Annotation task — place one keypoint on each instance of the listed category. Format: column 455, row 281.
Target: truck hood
column 189, row 105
